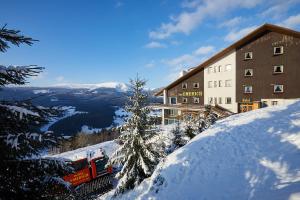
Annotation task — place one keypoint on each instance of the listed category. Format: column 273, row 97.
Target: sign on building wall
column 191, row 94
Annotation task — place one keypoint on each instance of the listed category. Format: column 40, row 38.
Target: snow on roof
column 253, row 155
column 93, row 151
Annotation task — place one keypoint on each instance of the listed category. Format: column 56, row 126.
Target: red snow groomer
column 91, row 174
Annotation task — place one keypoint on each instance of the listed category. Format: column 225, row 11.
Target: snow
column 120, row 116
column 68, row 112
column 41, row 91
column 89, row 130
column 253, row 155
column 122, row 87
column 94, row 150
column 20, row 111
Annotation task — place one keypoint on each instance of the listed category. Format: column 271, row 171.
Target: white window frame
column 274, row 69
column 220, row 100
column 251, row 71
column 251, row 55
column 220, row 83
column 274, row 103
column 228, row 68
column 170, row 102
column 209, row 84
column 281, row 50
column 196, row 98
column 274, row 89
column 215, row 100
column 210, row 100
column 226, row 100
column 209, row 70
column 184, row 100
column 197, row 84
column 215, row 84
column 228, row 81
column 182, row 85
column 220, row 68
column 251, row 89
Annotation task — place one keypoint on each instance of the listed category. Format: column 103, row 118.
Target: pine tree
column 23, row 173
column 137, row 154
column 178, row 140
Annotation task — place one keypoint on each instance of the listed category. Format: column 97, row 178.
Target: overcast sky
column 111, row 40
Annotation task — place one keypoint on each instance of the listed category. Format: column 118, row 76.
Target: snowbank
column 254, row 155
column 109, row 147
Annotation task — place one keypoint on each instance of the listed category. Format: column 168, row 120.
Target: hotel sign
column 191, row 94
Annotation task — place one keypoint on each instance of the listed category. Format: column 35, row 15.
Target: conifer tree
column 23, row 173
column 178, row 140
column 137, row 154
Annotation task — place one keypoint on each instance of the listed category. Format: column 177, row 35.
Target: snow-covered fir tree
column 23, row 173
column 137, row 155
column 178, row 139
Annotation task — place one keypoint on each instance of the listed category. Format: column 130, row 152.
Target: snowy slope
column 109, row 147
column 254, row 155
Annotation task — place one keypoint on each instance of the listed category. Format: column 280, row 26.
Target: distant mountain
column 87, row 105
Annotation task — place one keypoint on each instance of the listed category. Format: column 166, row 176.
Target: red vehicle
column 91, row 174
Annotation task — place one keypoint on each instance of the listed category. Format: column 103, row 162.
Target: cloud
column 151, row 64
column 237, row 34
column 187, row 61
column 186, row 21
column 204, row 50
column 278, row 9
column 152, row 45
column 119, row 4
column 60, row 79
column 292, row 21
column 40, row 76
column 190, row 3
column 232, row 22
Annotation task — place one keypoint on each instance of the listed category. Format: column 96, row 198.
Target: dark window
column 184, row 85
column 248, row 55
column 196, row 100
column 184, row 100
column 228, row 100
column 79, row 165
column 278, row 88
column 274, row 103
column 195, row 85
column 248, row 72
column 278, row 50
column 173, row 100
column 278, row 69
column 248, row 89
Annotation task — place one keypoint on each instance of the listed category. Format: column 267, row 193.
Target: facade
column 262, row 69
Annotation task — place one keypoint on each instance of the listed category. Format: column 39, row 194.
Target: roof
column 260, row 30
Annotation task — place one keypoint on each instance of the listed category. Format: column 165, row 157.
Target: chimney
column 182, row 73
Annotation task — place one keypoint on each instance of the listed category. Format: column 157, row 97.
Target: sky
column 114, row 40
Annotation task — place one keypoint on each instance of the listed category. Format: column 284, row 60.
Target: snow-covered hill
column 254, row 155
column 122, row 87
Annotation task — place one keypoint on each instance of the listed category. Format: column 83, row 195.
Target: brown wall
column 262, row 65
column 177, row 90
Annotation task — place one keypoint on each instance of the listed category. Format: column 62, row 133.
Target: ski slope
column 254, row 155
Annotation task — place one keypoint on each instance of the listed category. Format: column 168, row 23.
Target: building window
column 248, row 55
column 184, row 100
column 173, row 100
column 220, row 68
column 220, row 83
column 248, row 89
column 184, row 85
column 228, row 100
column 195, row 85
column 196, row 100
column 210, row 100
column 248, row 72
column 220, row 100
column 278, row 50
column 209, row 70
column 215, row 83
column 228, row 83
column 274, row 103
column 173, row 112
column 216, row 100
column 278, row 69
column 228, row 68
column 209, row 84
column 278, row 88
column 215, row 69
column 264, row 104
